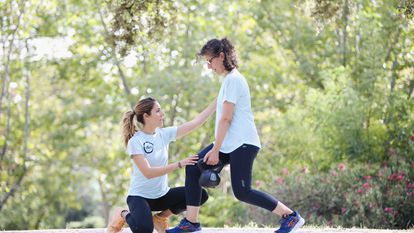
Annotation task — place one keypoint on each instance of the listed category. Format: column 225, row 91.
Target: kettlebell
column 210, row 174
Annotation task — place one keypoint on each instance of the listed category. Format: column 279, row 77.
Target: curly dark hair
column 214, row 47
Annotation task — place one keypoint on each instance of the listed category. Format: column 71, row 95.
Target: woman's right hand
column 212, row 157
column 191, row 160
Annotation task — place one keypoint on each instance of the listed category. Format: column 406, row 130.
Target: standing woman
column 236, row 143
column 148, row 150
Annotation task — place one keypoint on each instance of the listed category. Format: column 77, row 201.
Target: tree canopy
column 331, row 84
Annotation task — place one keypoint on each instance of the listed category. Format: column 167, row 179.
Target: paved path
column 229, row 230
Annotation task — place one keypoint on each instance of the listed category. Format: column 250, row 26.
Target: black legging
column 241, row 164
column 139, row 218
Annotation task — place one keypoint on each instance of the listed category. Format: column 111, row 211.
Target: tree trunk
column 26, row 107
column 105, row 203
column 391, row 46
column 13, row 190
column 392, row 79
column 6, row 135
column 6, row 56
column 395, row 62
column 113, row 54
column 17, row 184
column 411, row 88
column 344, row 34
column 173, row 111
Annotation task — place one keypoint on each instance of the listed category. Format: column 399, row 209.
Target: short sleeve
column 135, row 147
column 233, row 90
column 169, row 134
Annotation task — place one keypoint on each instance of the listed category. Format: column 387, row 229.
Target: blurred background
column 331, row 84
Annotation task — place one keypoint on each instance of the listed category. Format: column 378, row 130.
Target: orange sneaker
column 117, row 222
column 160, row 223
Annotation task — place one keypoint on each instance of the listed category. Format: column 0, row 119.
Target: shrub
column 362, row 195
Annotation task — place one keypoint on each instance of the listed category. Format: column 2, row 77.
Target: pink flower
column 400, row 177
column 412, row 137
column 343, row 210
column 330, row 222
column 342, row 167
column 258, row 183
column 410, row 185
column 393, row 176
column 388, row 209
column 365, row 185
column 280, row 180
column 285, row 171
column 334, row 173
column 410, row 194
column 368, row 178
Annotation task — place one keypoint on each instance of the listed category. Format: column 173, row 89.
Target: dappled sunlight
column 331, row 85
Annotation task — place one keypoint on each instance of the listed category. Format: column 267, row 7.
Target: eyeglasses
column 209, row 61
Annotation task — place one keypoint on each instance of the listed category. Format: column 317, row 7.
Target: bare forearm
column 206, row 113
column 223, row 126
column 160, row 171
column 187, row 127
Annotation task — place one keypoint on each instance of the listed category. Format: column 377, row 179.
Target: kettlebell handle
column 203, row 166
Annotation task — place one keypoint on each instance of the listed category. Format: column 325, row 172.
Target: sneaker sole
column 196, row 231
column 298, row 225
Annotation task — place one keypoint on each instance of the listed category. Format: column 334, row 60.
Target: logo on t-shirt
column 148, row 147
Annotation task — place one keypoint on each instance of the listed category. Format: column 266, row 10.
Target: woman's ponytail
column 230, row 57
column 128, row 126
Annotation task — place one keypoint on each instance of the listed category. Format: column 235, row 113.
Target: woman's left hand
column 212, row 157
column 190, row 160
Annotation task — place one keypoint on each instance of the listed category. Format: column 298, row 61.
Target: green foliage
column 371, row 196
column 331, row 82
column 89, row 222
column 137, row 21
column 230, row 210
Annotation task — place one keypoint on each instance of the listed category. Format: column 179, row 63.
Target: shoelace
column 284, row 217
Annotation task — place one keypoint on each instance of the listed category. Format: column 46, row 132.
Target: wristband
column 179, row 164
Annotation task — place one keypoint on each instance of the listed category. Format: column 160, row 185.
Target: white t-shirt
column 242, row 129
column 155, row 149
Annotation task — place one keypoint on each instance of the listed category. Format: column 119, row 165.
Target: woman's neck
column 226, row 72
column 148, row 129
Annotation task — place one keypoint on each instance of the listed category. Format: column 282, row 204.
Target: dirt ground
column 230, row 230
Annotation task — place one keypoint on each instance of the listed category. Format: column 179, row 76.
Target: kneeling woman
column 148, row 150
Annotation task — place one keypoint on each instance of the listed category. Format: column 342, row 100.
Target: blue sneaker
column 290, row 223
column 185, row 226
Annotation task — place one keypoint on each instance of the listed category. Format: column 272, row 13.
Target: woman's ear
column 221, row 56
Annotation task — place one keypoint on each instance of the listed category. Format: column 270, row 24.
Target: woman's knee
column 241, row 194
column 192, row 170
